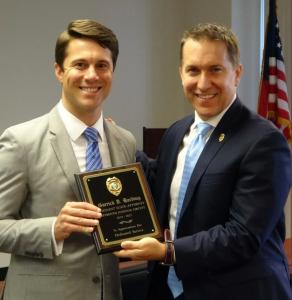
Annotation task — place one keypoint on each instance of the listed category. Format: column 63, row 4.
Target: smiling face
column 209, row 79
column 86, row 78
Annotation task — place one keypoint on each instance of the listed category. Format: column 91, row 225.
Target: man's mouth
column 205, row 96
column 90, row 89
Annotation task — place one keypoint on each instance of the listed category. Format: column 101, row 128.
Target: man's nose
column 204, row 81
column 91, row 73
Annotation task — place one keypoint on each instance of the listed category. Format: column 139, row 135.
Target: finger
column 83, row 205
column 119, row 253
column 64, row 229
column 81, row 212
column 132, row 254
column 80, row 221
column 69, row 228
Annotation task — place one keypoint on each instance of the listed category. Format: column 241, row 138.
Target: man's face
column 209, row 79
column 86, row 78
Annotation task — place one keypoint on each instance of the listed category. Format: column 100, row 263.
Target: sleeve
column 57, row 245
column 19, row 233
column 149, row 166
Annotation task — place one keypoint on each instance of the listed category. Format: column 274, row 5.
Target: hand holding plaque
column 128, row 211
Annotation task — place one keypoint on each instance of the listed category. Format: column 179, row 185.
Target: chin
column 206, row 113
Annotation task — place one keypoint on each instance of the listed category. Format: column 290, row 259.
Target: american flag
column 273, row 97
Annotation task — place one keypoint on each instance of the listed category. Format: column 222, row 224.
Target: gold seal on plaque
column 114, row 185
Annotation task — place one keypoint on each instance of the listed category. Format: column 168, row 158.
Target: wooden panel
column 1, row 287
column 3, row 272
column 288, row 250
column 151, row 140
column 134, row 279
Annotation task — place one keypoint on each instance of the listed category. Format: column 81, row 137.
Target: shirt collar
column 214, row 121
column 76, row 127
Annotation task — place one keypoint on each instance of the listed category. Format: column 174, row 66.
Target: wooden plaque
column 127, row 207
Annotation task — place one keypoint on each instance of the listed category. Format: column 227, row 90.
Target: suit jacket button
column 95, row 279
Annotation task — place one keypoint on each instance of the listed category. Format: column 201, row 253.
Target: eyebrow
column 85, row 60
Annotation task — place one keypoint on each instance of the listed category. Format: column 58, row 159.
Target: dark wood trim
column 2, row 283
column 288, row 250
column 151, row 140
column 3, row 272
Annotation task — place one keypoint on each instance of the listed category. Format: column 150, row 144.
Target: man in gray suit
column 42, row 223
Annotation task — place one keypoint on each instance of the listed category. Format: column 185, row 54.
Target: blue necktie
column 93, row 159
column 192, row 156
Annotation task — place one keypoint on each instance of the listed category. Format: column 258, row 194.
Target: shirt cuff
column 57, row 246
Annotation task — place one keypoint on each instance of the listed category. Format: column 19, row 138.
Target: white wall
column 146, row 90
column 245, row 23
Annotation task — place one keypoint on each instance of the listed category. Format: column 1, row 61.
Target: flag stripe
column 273, row 101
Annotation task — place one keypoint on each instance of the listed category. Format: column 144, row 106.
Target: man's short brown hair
column 214, row 32
column 87, row 29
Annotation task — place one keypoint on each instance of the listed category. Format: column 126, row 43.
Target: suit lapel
column 63, row 149
column 221, row 134
column 172, row 143
column 176, row 141
column 117, row 149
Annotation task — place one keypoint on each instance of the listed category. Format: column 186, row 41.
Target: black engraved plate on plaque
column 128, row 211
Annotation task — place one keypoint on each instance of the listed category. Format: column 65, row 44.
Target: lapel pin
column 221, row 137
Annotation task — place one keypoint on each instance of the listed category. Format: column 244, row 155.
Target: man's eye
column 102, row 66
column 80, row 66
column 216, row 69
column 192, row 71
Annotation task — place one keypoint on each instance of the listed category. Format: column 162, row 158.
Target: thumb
column 128, row 245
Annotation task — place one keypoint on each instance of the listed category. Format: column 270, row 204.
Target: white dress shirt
column 75, row 129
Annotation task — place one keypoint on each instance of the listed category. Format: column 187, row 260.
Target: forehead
column 85, row 49
column 204, row 51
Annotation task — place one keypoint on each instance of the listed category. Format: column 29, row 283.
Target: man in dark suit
column 42, row 223
column 229, row 233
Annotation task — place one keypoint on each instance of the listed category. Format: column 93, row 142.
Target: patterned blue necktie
column 93, row 159
column 192, row 156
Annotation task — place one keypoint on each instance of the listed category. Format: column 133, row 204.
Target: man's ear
column 238, row 74
column 180, row 74
column 59, row 72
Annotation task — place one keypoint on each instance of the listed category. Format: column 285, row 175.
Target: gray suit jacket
column 37, row 166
